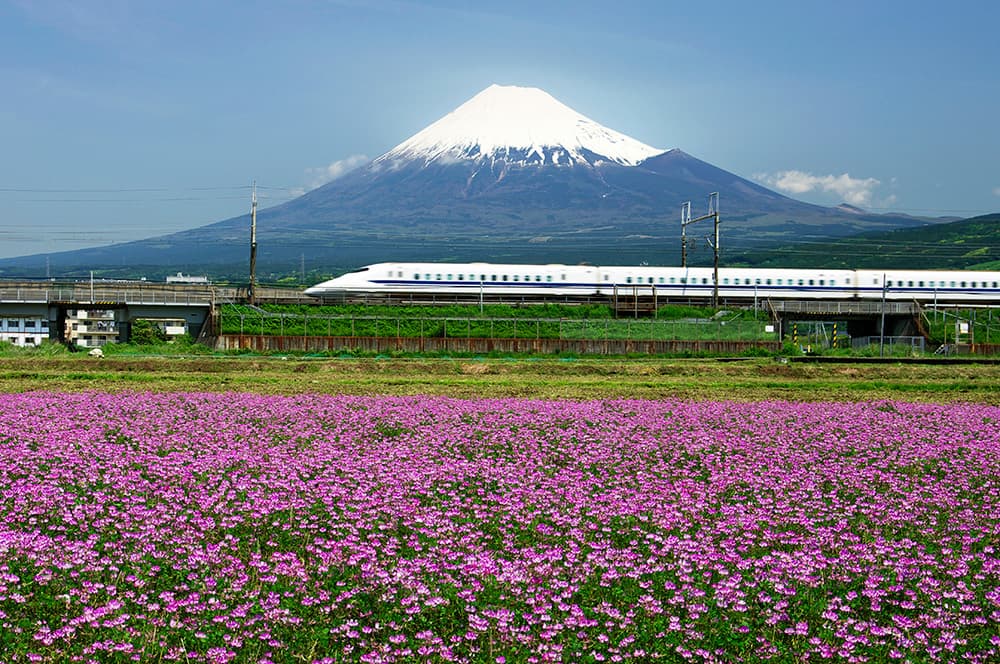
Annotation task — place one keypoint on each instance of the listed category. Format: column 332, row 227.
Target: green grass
column 751, row 379
column 494, row 322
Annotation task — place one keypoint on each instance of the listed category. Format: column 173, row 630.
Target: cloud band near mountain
column 856, row 191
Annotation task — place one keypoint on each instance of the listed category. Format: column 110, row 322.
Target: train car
column 733, row 282
column 458, row 279
column 929, row 285
column 585, row 281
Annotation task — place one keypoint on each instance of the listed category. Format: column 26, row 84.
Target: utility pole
column 713, row 213
column 685, row 220
column 252, row 290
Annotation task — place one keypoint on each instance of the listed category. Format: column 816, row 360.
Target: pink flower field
column 246, row 528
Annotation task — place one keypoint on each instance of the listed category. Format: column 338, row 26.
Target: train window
column 607, row 277
column 781, row 281
column 563, row 276
column 527, row 277
column 650, row 280
column 517, row 278
column 889, row 283
column 493, row 277
column 812, row 282
column 684, row 280
column 822, row 282
column 548, row 277
column 756, row 281
column 437, row 277
column 538, row 277
column 909, row 284
column 768, row 282
column 628, row 280
column 800, row 282
column 673, row 280
column 952, row 284
column 661, row 280
column 725, row 281
column 416, row 277
column 505, row 277
column 449, row 277
column 704, row 280
column 994, row 284
column 963, row 284
column 461, row 277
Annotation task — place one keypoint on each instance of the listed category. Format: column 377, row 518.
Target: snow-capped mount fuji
column 511, row 175
column 521, row 126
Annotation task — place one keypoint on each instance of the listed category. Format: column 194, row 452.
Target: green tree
column 146, row 333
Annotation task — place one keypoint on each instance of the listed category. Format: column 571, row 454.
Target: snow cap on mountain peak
column 502, row 121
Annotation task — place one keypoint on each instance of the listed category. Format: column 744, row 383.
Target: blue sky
column 122, row 120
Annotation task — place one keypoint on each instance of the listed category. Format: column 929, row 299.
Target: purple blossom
column 237, row 527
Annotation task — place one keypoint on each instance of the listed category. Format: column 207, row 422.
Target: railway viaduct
column 196, row 304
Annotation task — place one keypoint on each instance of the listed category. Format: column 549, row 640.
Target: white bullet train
column 490, row 279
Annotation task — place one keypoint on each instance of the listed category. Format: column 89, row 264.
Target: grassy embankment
column 552, row 321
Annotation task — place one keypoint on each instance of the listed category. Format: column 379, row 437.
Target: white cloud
column 320, row 176
column 856, row 191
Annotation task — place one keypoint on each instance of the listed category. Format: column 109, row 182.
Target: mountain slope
column 511, row 175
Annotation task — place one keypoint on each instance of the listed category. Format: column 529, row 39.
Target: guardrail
column 845, row 308
column 132, row 293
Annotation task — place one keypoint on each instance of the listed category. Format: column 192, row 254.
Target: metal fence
column 891, row 345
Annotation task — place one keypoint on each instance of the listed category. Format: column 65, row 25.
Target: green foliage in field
column 984, row 326
column 46, row 349
column 495, row 322
column 146, row 333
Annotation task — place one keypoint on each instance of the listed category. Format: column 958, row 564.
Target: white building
column 182, row 278
column 24, row 330
column 91, row 328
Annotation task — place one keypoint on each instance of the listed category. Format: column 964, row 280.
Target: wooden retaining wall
column 270, row 343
